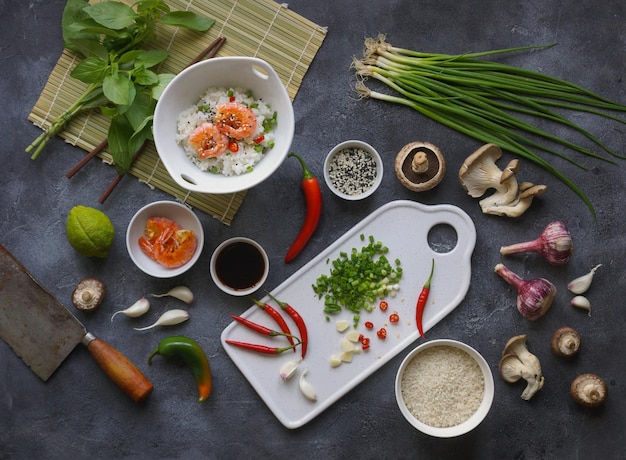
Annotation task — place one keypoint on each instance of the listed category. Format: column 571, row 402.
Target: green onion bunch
column 358, row 278
column 483, row 99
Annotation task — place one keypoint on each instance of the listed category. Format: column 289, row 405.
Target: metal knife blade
column 42, row 332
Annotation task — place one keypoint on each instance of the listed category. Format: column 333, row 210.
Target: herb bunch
column 111, row 38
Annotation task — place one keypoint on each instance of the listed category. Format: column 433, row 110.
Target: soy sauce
column 239, row 265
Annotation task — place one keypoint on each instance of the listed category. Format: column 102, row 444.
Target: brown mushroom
column 88, row 294
column 565, row 342
column 589, row 390
column 420, row 166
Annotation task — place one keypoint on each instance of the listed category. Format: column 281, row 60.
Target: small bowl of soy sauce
column 239, row 266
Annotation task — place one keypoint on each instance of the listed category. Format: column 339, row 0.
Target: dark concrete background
column 79, row 413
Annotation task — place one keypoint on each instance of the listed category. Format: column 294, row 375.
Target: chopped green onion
column 477, row 98
column 357, row 279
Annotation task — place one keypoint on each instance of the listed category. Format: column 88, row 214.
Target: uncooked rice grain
column 442, row 386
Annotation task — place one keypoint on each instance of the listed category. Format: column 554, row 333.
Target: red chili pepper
column 394, row 317
column 233, row 147
column 365, row 341
column 384, row 305
column 304, row 335
column 369, row 325
column 382, row 333
column 259, row 139
column 313, row 197
column 257, row 327
column 260, row 348
column 278, row 318
column 421, row 300
column 231, row 98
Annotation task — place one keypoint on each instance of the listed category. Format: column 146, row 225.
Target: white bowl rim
column 476, row 418
column 240, row 292
column 179, row 167
column 142, row 261
column 358, row 144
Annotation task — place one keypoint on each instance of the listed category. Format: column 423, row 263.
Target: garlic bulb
column 581, row 302
column 534, row 297
column 582, row 283
column 306, row 388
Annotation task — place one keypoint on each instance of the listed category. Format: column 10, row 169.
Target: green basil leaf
column 145, row 77
column 112, row 14
column 72, row 14
column 164, row 80
column 119, row 89
column 88, row 47
column 118, row 137
column 90, row 70
column 141, row 108
column 188, row 20
column 155, row 6
column 130, row 56
column 151, row 58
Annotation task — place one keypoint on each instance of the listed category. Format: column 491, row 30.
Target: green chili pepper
column 192, row 354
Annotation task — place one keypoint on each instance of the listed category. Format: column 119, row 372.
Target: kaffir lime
column 89, row 231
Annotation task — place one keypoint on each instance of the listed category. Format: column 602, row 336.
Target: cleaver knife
column 42, row 332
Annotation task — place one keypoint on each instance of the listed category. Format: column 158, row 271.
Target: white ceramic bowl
column 474, row 420
column 243, row 263
column 177, row 212
column 185, row 90
column 353, row 144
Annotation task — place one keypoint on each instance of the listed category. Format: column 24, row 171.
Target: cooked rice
column 442, row 386
column 229, row 163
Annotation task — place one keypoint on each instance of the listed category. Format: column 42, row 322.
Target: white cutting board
column 402, row 226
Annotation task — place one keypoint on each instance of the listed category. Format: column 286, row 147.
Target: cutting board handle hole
column 442, row 238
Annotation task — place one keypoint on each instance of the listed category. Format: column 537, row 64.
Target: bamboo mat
column 256, row 28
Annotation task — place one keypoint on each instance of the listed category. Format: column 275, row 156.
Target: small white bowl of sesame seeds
column 353, row 170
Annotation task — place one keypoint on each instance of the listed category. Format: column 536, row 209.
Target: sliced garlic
column 582, row 302
column 306, row 388
column 342, row 325
column 582, row 283
column 288, row 369
column 346, row 345
column 353, row 336
column 335, row 361
column 346, row 356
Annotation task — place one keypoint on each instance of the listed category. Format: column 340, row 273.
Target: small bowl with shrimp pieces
column 223, row 125
column 164, row 239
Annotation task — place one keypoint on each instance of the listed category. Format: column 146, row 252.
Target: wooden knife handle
column 119, row 369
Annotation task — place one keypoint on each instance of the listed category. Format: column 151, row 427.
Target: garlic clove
column 581, row 302
column 135, row 310
column 169, row 318
column 582, row 283
column 288, row 369
column 306, row 388
column 342, row 325
column 353, row 336
column 346, row 356
column 182, row 293
column 335, row 361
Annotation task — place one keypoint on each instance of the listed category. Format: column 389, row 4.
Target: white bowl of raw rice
column 223, row 125
column 444, row 388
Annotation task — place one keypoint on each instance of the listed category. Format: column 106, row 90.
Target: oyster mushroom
column 527, row 192
column 420, row 166
column 518, row 363
column 480, row 173
column 88, row 294
column 589, row 390
column 565, row 342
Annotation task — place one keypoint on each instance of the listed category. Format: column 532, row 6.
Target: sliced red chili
column 383, row 305
column 259, row 139
column 233, row 147
column 231, row 98
column 382, row 333
column 365, row 341
column 394, row 317
column 369, row 325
